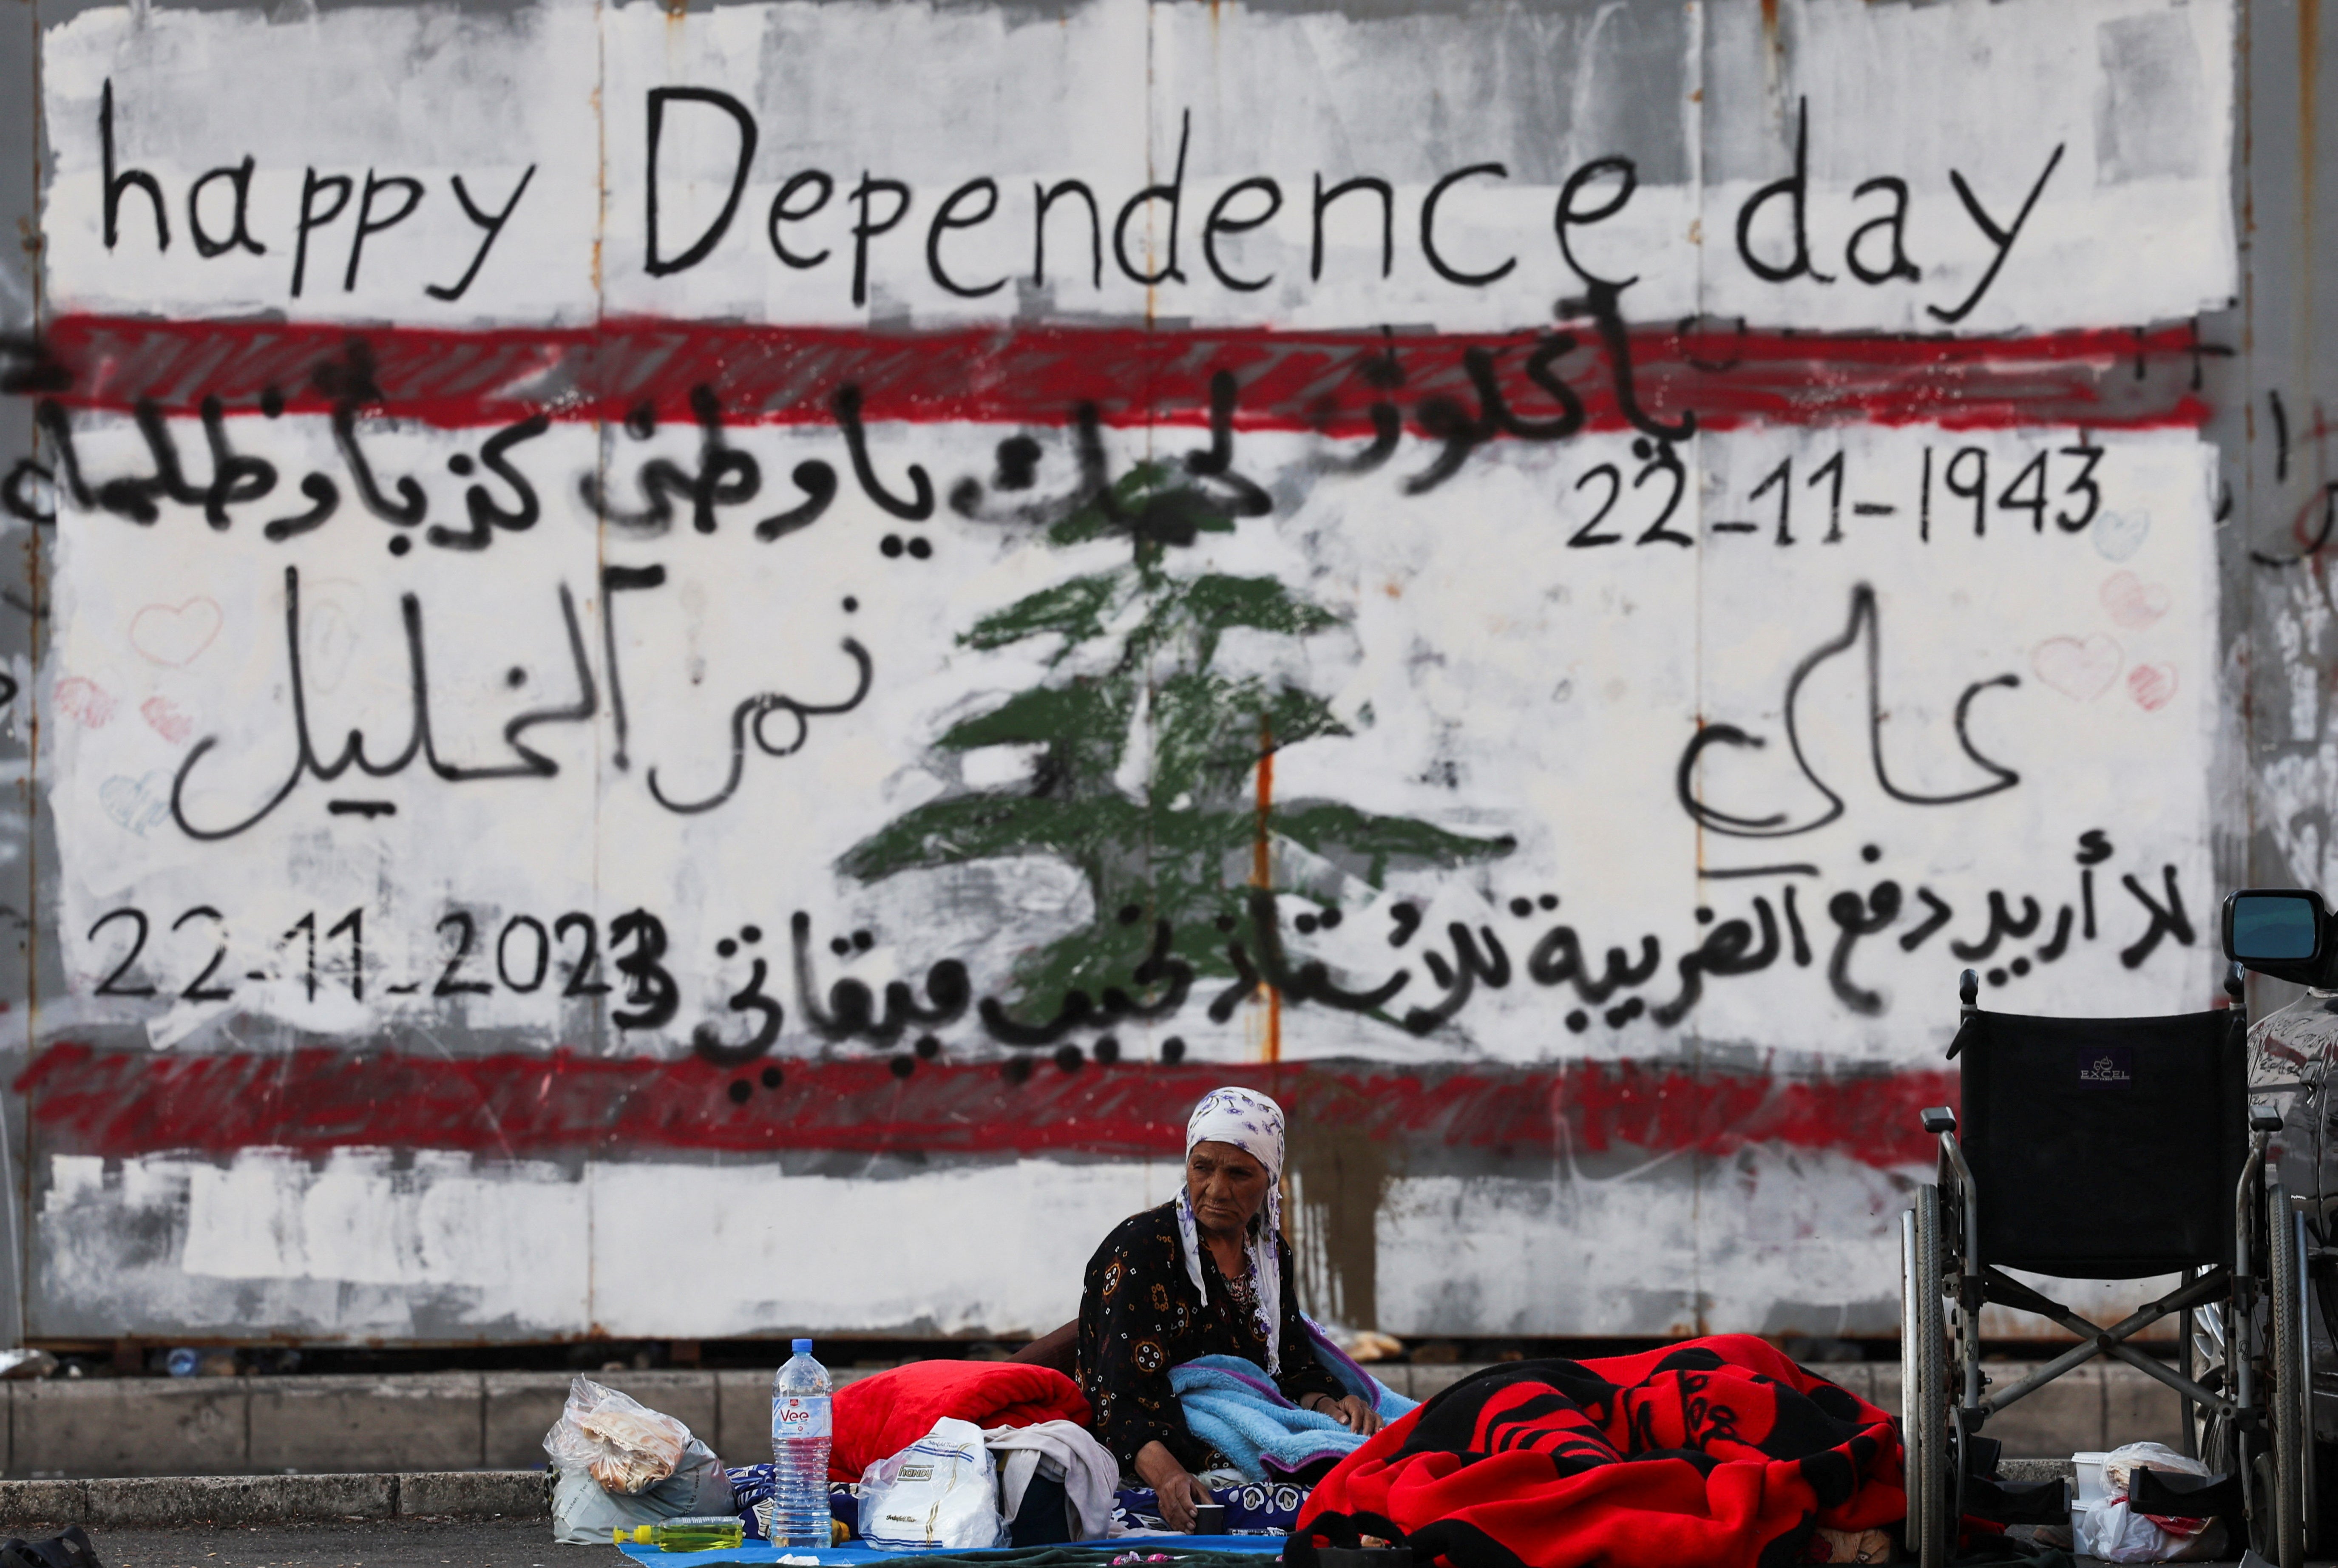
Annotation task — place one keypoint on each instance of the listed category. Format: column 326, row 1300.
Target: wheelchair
column 2124, row 1149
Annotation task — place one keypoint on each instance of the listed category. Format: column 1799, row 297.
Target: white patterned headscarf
column 1252, row 1123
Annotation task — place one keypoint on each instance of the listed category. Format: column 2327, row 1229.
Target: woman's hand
column 1179, row 1493
column 1351, row 1412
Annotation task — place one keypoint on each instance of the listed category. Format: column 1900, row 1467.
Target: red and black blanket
column 1718, row 1453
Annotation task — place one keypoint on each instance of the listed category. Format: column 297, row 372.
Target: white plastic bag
column 2113, row 1531
column 626, row 1446
column 583, row 1511
column 623, row 1464
column 939, row 1491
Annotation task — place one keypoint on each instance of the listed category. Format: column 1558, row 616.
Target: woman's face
column 1225, row 1187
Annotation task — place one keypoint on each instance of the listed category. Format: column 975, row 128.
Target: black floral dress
column 1139, row 1317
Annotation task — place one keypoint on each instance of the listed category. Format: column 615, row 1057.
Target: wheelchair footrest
column 2009, row 1501
column 2018, row 1502
column 2171, row 1495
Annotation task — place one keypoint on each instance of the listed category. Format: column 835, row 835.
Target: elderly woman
column 1207, row 1273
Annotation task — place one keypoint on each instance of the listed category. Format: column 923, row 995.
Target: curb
column 61, row 1428
column 2037, row 1470
column 176, row 1500
column 191, row 1500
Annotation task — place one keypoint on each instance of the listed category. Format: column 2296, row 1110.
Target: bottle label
column 799, row 1416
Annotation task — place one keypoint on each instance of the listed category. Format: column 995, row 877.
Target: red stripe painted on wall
column 1037, row 375
column 123, row 1103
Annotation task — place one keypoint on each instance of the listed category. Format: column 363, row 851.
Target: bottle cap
column 803, row 1346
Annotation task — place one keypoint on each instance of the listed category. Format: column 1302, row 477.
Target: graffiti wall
column 789, row 626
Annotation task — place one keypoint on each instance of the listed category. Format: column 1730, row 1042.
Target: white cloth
column 1061, row 1451
column 1252, row 1123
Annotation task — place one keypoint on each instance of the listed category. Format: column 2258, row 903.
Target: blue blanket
column 1232, row 1405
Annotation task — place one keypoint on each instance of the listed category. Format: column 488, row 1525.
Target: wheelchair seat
column 2104, row 1147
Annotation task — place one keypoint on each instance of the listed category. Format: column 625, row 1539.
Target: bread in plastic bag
column 620, row 1442
column 939, row 1491
column 583, row 1511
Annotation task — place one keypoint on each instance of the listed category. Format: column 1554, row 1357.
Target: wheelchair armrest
column 1937, row 1118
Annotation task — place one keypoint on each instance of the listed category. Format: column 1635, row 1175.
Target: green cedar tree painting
column 1135, row 669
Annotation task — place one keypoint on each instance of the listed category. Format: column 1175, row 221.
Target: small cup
column 1209, row 1519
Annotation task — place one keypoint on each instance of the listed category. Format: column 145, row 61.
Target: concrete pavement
column 386, row 1543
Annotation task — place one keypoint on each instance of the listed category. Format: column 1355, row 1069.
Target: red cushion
column 880, row 1415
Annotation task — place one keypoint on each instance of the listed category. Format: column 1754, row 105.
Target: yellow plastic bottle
column 711, row 1533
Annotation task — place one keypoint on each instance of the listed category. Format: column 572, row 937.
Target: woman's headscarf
column 1252, row 1123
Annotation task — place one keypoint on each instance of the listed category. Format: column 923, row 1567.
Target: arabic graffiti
column 746, row 721
column 2058, row 481
column 1126, row 673
column 1266, row 942
column 1863, row 629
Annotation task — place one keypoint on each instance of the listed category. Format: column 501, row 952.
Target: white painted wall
column 1497, row 681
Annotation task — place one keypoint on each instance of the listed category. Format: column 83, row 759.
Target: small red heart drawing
column 2152, row 686
column 166, row 718
column 2131, row 601
column 175, row 634
column 2080, row 670
column 78, row 697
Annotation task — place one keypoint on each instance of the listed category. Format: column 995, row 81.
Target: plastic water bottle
column 802, row 1431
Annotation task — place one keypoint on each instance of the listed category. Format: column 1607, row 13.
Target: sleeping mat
column 1718, row 1452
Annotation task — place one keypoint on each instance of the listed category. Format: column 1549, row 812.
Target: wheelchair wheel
column 2212, row 1434
column 1924, row 1386
column 2289, row 1402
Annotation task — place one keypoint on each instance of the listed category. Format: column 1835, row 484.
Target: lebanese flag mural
column 791, row 627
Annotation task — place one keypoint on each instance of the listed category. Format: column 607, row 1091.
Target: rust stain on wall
column 1339, row 1177
column 2309, row 35
column 1262, row 872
